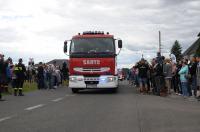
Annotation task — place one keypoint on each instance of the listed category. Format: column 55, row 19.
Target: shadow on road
column 96, row 91
column 124, row 88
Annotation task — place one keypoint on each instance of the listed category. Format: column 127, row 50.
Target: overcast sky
column 37, row 28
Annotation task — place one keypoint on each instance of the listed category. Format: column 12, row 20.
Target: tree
column 176, row 50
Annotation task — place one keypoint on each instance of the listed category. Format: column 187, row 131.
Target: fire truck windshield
column 92, row 45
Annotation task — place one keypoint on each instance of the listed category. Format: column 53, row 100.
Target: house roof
column 59, row 62
column 192, row 49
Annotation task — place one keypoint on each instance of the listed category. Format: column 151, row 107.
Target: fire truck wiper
column 79, row 52
column 92, row 51
column 105, row 52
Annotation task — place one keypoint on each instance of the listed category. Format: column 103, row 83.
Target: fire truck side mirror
column 120, row 44
column 65, row 47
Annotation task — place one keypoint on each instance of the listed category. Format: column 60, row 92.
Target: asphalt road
column 98, row 111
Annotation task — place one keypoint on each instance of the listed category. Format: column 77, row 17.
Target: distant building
column 192, row 49
column 59, row 62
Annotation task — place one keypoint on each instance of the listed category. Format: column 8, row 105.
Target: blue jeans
column 143, row 81
column 136, row 79
column 194, row 85
column 184, row 86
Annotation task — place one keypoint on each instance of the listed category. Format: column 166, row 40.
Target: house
column 59, row 62
column 192, row 49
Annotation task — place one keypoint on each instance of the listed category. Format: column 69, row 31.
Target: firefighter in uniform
column 19, row 70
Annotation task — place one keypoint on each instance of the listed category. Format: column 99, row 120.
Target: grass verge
column 28, row 87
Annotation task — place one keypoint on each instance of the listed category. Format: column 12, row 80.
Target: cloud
column 37, row 28
column 8, row 35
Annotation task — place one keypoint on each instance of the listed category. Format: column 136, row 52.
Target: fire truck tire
column 75, row 90
column 114, row 90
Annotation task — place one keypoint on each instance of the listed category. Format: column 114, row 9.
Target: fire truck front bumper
column 82, row 82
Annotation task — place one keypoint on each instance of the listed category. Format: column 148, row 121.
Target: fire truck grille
column 91, row 79
column 93, row 70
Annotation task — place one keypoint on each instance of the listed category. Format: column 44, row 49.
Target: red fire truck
column 92, row 61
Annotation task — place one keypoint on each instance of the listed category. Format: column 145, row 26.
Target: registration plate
column 91, row 85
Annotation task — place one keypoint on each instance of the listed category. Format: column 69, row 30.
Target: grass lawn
column 28, row 87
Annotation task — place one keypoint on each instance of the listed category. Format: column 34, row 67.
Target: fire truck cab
column 92, row 61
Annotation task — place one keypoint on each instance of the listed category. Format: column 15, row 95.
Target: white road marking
column 5, row 118
column 58, row 99
column 34, row 107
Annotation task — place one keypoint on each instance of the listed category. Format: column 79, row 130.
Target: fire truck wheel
column 75, row 90
column 114, row 90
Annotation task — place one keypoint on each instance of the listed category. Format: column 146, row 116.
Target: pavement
column 98, row 111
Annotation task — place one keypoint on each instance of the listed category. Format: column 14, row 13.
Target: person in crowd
column 188, row 77
column 40, row 76
column 151, row 77
column 65, row 71
column 54, row 75
column 192, row 69
column 167, row 70
column 179, row 66
column 158, row 75
column 6, row 69
column 129, row 76
column 198, row 77
column 49, row 76
column 9, row 74
column 137, row 77
column 1, row 75
column 5, row 73
column 133, row 76
column 153, row 63
column 58, row 76
column 20, row 71
column 184, row 82
column 175, row 78
column 46, row 81
column 34, row 74
column 148, row 77
column 143, row 70
column 13, row 79
column 29, row 72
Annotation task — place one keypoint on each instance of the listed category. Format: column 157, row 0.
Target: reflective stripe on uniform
column 20, row 88
column 17, row 68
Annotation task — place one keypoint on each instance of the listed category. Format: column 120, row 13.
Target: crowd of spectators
column 51, row 76
column 14, row 75
column 164, row 77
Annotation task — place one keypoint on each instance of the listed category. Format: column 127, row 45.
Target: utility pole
column 159, row 50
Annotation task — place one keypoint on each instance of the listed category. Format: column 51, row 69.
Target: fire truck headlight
column 73, row 79
column 103, row 79
column 111, row 79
